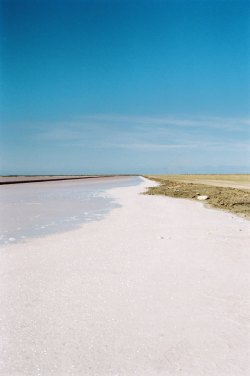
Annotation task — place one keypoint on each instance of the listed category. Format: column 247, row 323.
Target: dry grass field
column 227, row 192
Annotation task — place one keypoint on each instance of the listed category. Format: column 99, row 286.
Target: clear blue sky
column 124, row 86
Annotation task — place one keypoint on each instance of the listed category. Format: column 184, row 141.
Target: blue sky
column 125, row 86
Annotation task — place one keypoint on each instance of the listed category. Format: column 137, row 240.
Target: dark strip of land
column 42, row 178
column 221, row 190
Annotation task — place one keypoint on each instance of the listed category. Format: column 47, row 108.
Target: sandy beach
column 160, row 286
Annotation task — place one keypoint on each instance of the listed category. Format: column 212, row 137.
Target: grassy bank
column 227, row 192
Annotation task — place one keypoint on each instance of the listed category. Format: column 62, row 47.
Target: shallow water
column 39, row 209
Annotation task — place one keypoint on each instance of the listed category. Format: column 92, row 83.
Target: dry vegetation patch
column 226, row 198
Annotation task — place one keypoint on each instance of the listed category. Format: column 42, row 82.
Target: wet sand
column 159, row 287
column 39, row 209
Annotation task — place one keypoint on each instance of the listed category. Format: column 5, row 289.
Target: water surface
column 39, row 209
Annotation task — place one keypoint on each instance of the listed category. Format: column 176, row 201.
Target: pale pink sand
column 159, row 287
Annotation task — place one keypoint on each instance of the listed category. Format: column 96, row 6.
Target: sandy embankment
column 159, row 287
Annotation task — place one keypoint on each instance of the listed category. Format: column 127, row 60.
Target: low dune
column 227, row 192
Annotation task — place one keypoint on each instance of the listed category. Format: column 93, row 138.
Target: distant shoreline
column 19, row 179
